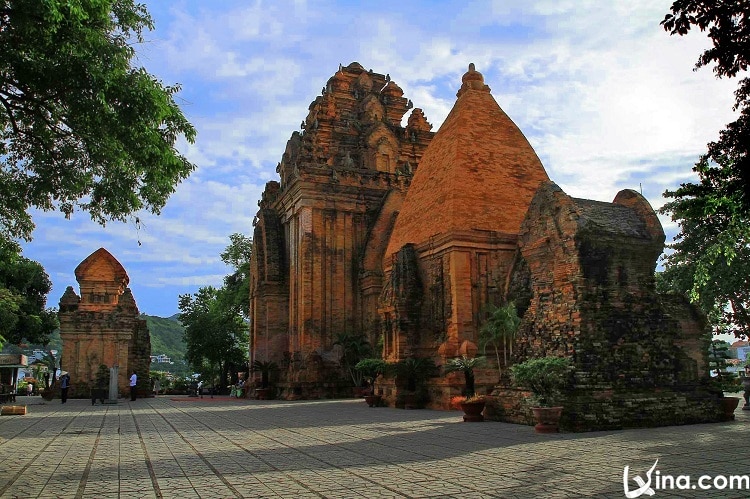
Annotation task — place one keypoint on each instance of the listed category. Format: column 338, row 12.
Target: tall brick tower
column 103, row 326
column 321, row 232
column 458, row 227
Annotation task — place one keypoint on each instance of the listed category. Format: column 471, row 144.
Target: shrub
column 546, row 377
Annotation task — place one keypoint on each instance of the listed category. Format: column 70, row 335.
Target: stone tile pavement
column 219, row 448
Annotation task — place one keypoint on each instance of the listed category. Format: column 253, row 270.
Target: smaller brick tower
column 102, row 326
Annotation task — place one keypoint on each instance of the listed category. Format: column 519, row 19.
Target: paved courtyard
column 218, row 448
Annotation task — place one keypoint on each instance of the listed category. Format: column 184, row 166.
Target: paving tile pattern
column 164, row 448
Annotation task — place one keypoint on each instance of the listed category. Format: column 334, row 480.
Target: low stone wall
column 613, row 410
column 312, row 390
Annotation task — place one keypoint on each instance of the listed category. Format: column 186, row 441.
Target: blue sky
column 605, row 96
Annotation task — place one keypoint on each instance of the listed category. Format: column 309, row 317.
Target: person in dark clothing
column 64, row 385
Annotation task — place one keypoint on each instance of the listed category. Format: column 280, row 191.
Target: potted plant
column 472, row 404
column 265, row 368
column 726, row 381
column 411, row 373
column 546, row 378
column 370, row 369
column 354, row 348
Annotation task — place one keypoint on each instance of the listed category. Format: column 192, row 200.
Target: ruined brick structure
column 103, row 326
column 406, row 238
column 589, row 267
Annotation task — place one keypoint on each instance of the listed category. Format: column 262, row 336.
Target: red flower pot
column 473, row 411
column 547, row 419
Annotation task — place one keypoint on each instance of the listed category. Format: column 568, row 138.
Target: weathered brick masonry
column 321, row 232
column 406, row 238
column 638, row 356
column 102, row 326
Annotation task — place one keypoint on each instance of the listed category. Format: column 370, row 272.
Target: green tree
column 718, row 356
column 216, row 338
column 24, row 286
column 499, row 331
column 80, row 126
column 727, row 23
column 710, row 262
column 236, row 289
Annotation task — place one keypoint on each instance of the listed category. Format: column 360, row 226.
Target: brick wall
column 637, row 359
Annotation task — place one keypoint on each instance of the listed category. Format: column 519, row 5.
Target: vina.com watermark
column 656, row 481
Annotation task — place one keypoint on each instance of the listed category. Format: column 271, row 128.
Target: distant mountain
column 166, row 337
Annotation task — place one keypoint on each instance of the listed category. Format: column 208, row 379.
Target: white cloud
column 215, row 280
column 607, row 98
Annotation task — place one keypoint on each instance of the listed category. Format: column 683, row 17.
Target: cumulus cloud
column 605, row 96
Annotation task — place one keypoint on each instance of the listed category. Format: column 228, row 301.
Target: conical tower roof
column 478, row 173
column 101, row 266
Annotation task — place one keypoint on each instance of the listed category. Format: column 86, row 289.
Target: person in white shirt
column 133, row 381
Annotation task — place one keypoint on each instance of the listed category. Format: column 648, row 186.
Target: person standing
column 64, row 385
column 157, row 386
column 133, row 381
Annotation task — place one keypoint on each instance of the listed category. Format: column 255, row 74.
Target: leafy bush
column 546, row 377
column 718, row 361
column 413, row 371
column 371, row 368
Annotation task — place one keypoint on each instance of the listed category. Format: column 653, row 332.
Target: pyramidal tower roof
column 101, row 266
column 478, row 173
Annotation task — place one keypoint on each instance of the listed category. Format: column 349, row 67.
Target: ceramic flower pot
column 547, row 419
column 473, row 411
column 728, row 405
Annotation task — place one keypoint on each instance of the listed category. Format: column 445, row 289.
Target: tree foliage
column 24, row 286
column 718, row 357
column 216, row 338
column 727, row 23
column 236, row 289
column 710, row 261
column 215, row 320
column 546, row 377
column 499, row 331
column 80, row 126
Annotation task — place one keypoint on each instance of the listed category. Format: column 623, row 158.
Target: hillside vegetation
column 166, row 337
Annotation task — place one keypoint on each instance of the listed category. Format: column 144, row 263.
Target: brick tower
column 103, row 326
column 321, row 232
